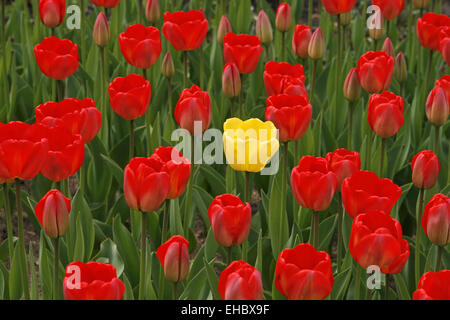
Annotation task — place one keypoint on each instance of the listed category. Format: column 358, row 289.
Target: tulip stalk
column 56, row 269
column 185, row 57
column 313, row 81
column 131, row 150
column 357, row 281
column 351, row 110
column 440, row 249
column 436, row 139
column 418, row 236
column 23, row 257
column 339, row 244
column 283, row 46
column 147, row 116
column 8, row 221
column 140, row 10
column 143, row 268
column 165, row 221
column 83, row 31
column 104, row 129
column 310, row 10
column 316, row 229
column 383, row 147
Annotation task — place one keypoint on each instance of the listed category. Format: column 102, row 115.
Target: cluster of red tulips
column 54, row 146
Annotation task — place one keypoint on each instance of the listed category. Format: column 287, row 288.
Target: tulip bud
column 388, row 47
column 401, row 72
column 174, row 257
column 231, row 80
column 223, row 29
column 168, row 68
column 352, row 86
column 283, row 19
column 316, row 46
column 152, row 12
column 436, row 220
column 346, row 18
column 421, row 4
column 264, row 28
column 101, row 30
column 437, row 108
column 52, row 12
column 300, row 40
column 425, row 168
column 377, row 31
column 53, row 213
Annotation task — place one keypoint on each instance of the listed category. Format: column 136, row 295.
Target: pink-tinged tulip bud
column 152, row 11
column 436, row 220
column 52, row 12
column 421, row 4
column 316, row 46
column 425, row 168
column 352, row 86
column 437, row 107
column 101, row 30
column 376, row 32
column 231, row 80
column 223, row 29
column 345, row 18
column 168, row 68
column 300, row 40
column 53, row 213
column 401, row 71
column 388, row 47
column 264, row 28
column 174, row 257
column 283, row 19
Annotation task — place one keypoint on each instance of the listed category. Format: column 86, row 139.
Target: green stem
column 436, row 140
column 140, row 11
column 383, row 147
column 386, row 287
column 351, row 109
column 313, row 81
column 364, row 11
column 418, row 236
column 104, row 128
column 201, row 68
column 147, row 117
column 165, row 221
column 143, row 267
column 185, row 56
column 357, row 281
column 169, row 97
column 310, row 10
column 283, row 46
column 188, row 196
column 23, row 256
column 438, row 258
column 229, row 254
column 8, row 221
column 131, row 150
column 5, row 74
column 339, row 245
column 175, row 291
column 83, row 31
column 247, row 187
column 430, row 64
column 81, row 178
column 232, row 107
column 241, row 93
column 339, row 59
column 56, row 269
column 316, row 230
column 66, row 190
column 369, row 150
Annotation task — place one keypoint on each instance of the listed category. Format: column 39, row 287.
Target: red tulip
column 97, row 281
column 338, row 6
column 388, row 47
column 284, row 78
column 283, row 19
column 300, row 40
column 105, row 3
column 177, row 167
column 240, row 281
column 444, row 83
column 385, row 114
column 52, row 12
column 263, row 28
column 140, row 45
column 65, row 153
column 57, row 58
column 101, row 33
column 174, row 257
column 375, row 69
column 429, row 27
column 242, row 50
column 433, row 286
column 364, row 191
column 437, row 106
column 390, row 8
column 52, row 212
column 23, row 151
column 313, row 184
column 193, row 105
column 130, row 96
column 425, row 168
column 444, row 44
column 344, row 164
column 376, row 239
column 290, row 114
column 185, row 30
column 230, row 219
column 352, row 86
column 79, row 116
column 223, row 28
column 436, row 220
column 303, row 273
column 231, row 80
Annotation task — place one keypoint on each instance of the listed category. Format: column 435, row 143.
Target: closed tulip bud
column 352, row 86
column 53, row 213
column 264, row 28
column 388, row 47
column 101, row 30
column 316, row 46
column 152, row 11
column 401, row 72
column 376, row 32
column 168, row 68
column 174, row 257
column 345, row 18
column 231, row 80
column 283, row 19
column 223, row 29
column 437, row 107
column 436, row 220
column 425, row 168
column 52, row 12
column 421, row 4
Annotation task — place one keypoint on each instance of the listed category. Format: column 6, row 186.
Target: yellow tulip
column 249, row 145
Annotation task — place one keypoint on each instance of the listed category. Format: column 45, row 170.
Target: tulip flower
column 444, row 44
column 376, row 239
column 436, row 220
column 385, row 114
column 174, row 258
column 284, row 78
column 140, row 45
column 364, row 191
column 101, row 34
column 264, row 28
column 185, row 30
column 240, row 281
column 421, row 4
column 352, row 86
column 52, row 12
column 401, row 71
column 316, row 46
column 98, row 281
column 433, row 286
column 302, row 273
column 194, row 105
column 344, row 164
column 223, row 28
column 375, row 69
column 152, row 11
column 338, row 6
column 283, row 19
column 437, row 106
column 425, row 168
column 249, row 145
column 130, row 96
column 231, row 80
column 230, row 219
column 429, row 27
column 242, row 50
column 444, row 83
column 290, row 114
column 388, row 47
column 52, row 212
column 105, row 3
column 57, row 58
column 300, row 40
column 390, row 8
column 168, row 68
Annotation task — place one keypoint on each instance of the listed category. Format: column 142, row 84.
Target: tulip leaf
column 2, row 283
column 116, row 171
column 402, row 289
column 341, row 283
column 15, row 276
column 34, row 291
column 213, row 280
column 175, row 223
column 45, row 275
column 211, row 246
column 78, row 254
column 80, row 210
column 108, row 253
